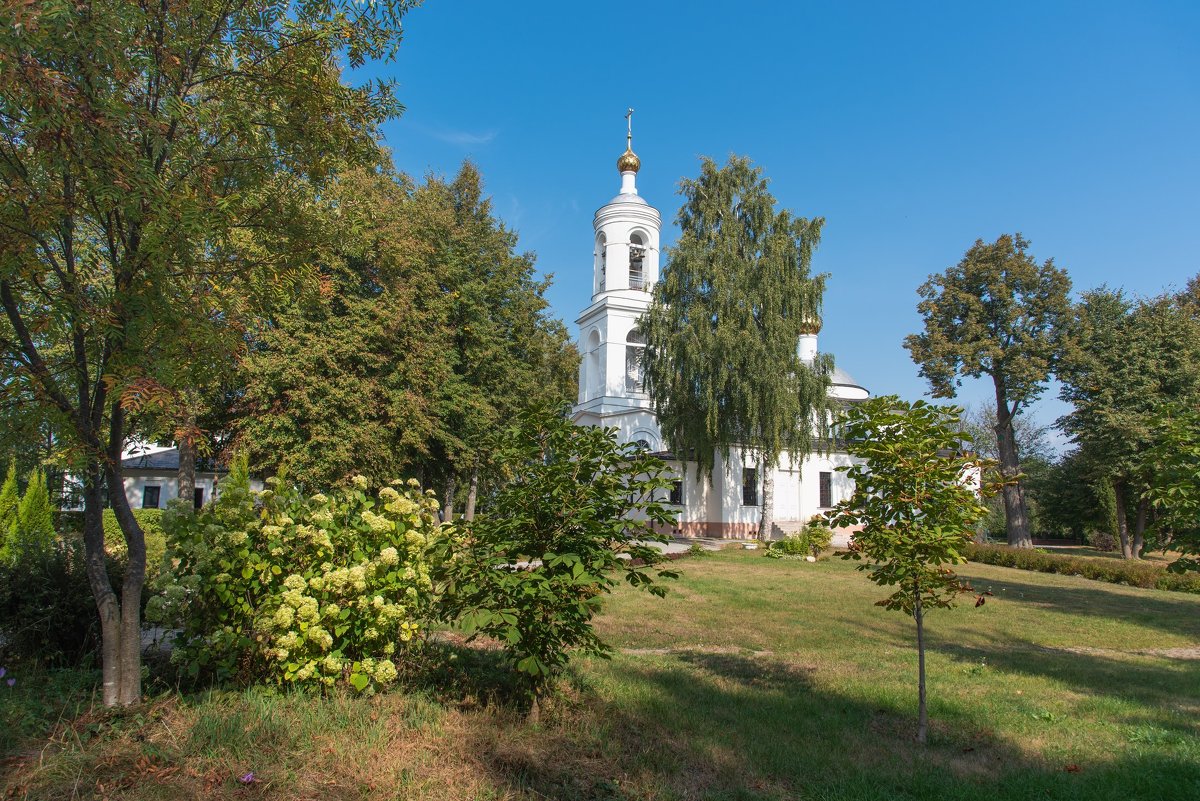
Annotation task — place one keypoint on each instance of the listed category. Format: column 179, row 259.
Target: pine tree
column 721, row 360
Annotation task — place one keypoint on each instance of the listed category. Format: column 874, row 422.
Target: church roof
column 844, row 379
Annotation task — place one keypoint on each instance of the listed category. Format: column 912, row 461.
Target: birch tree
column 721, row 361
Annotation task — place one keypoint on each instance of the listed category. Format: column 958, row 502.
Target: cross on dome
column 629, row 162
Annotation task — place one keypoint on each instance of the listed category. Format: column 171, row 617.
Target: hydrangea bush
column 314, row 590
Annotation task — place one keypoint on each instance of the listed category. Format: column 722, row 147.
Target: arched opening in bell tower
column 601, row 263
column 637, row 262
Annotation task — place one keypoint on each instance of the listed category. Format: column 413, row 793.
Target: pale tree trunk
column 448, row 500
column 107, row 604
column 767, row 521
column 1016, row 513
column 130, row 648
column 1122, row 518
column 922, row 712
column 472, row 495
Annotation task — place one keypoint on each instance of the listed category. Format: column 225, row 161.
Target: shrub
column 151, row 521
column 1114, row 571
column 313, row 590
column 31, row 526
column 47, row 613
column 809, row 541
column 574, row 517
column 1102, row 541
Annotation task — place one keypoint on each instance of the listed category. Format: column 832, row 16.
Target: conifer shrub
column 1115, row 571
column 31, row 526
column 309, row 590
column 10, row 498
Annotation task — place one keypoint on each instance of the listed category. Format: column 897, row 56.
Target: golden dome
column 629, row 162
column 811, row 327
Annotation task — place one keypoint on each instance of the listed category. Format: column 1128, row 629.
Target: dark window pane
column 749, row 486
column 676, row 493
column 826, row 489
column 198, row 496
column 150, row 497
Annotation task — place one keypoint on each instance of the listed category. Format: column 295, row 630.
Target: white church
column 625, row 268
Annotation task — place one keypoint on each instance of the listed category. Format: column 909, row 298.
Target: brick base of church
column 718, row 531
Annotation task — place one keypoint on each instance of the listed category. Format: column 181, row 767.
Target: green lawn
column 753, row 679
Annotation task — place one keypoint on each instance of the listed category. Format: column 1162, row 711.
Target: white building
column 625, row 267
column 151, row 477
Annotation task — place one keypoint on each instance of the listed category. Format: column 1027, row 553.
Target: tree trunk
column 922, row 713
column 97, row 571
column 130, row 649
column 766, row 524
column 1122, row 518
column 472, row 494
column 1139, row 528
column 1016, row 513
column 448, row 501
column 187, row 466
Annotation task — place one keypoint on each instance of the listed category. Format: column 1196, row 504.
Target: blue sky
column 913, row 128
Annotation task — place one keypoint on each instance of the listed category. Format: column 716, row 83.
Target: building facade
column 625, row 268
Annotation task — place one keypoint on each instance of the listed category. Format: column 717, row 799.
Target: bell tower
column 625, row 264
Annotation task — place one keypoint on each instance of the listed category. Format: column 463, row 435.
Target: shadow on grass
column 1168, row 690
column 730, row 726
column 1176, row 612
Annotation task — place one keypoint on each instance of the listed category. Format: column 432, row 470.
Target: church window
column 635, row 343
column 676, row 498
column 749, row 486
column 826, row 490
column 637, row 263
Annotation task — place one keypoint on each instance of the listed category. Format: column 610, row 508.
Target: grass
column 754, row 679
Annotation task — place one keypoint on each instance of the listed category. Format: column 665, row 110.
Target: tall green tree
column 917, row 501
column 721, row 361
column 162, row 167
column 1000, row 314
column 1128, row 359
column 431, row 333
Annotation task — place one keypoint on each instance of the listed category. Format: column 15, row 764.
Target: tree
column 996, row 313
column 721, row 363
column 577, row 513
column 1173, row 462
column 917, row 498
column 1128, row 359
column 430, row 333
column 162, row 167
